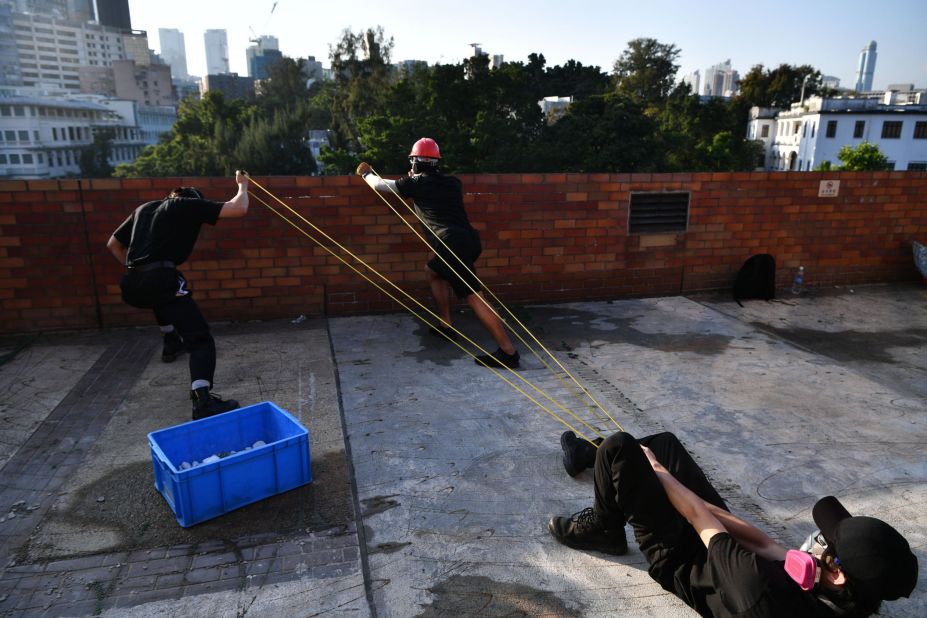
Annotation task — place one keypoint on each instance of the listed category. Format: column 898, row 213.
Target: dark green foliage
column 779, row 87
column 484, row 119
column 94, row 158
column 646, row 71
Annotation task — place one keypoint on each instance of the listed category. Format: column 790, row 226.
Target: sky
column 827, row 34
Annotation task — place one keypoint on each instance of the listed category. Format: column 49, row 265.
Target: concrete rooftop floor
column 434, row 478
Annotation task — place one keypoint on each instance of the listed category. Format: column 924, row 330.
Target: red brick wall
column 546, row 237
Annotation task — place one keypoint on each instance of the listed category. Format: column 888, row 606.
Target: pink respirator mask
column 803, row 565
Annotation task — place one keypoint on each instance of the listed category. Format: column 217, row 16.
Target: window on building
column 804, row 129
column 55, row 134
column 23, row 136
column 654, row 213
column 52, row 160
column 917, row 166
column 14, row 159
column 18, row 110
column 920, row 130
column 831, row 130
column 859, row 128
column 813, row 126
column 71, row 133
column 40, row 158
column 891, row 129
column 27, row 159
column 890, row 165
column 764, row 132
column 3, row 159
column 35, row 135
column 10, row 136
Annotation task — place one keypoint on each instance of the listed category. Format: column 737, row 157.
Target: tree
column 201, row 142
column 863, row 157
column 646, row 71
column 360, row 83
column 605, row 133
column 276, row 145
column 94, row 158
column 779, row 87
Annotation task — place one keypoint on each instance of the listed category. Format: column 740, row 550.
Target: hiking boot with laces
column 173, row 346
column 578, row 454
column 498, row 360
column 207, row 404
column 587, row 530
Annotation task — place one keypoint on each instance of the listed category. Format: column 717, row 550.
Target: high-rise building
column 53, row 52
column 174, row 51
column 217, row 52
column 264, row 52
column 693, row 80
column 10, row 69
column 114, row 13
column 720, row 80
column 866, row 69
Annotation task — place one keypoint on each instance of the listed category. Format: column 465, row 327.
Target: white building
column 174, row 51
column 217, row 52
column 43, row 137
column 720, row 80
column 693, row 80
column 554, row 107
column 809, row 134
column 51, row 52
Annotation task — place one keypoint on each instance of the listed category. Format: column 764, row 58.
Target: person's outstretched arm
column 238, row 205
column 376, row 183
column 686, row 502
column 708, row 519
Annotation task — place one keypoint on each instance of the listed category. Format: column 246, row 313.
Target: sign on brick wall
column 829, row 188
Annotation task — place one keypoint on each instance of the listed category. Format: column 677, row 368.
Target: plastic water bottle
column 799, row 280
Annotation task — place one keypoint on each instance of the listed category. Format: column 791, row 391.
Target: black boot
column 578, row 454
column 588, row 530
column 173, row 346
column 498, row 360
column 206, row 404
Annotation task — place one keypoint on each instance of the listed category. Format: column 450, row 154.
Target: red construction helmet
column 425, row 147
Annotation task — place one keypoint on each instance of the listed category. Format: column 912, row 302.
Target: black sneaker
column 443, row 332
column 206, row 404
column 586, row 530
column 173, row 346
column 498, row 360
column 578, row 454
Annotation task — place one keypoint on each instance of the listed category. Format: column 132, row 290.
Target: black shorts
column 153, row 288
column 465, row 245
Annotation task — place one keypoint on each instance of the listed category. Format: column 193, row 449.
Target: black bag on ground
column 756, row 278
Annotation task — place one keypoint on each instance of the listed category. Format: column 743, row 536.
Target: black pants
column 164, row 291
column 459, row 245
column 627, row 489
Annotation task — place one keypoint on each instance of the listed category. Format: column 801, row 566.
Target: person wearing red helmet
column 438, row 201
column 717, row 563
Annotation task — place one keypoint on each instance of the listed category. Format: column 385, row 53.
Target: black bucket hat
column 876, row 559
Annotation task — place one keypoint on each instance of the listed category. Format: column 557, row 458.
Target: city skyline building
column 114, row 14
column 720, row 80
column 865, row 70
column 217, row 51
column 264, row 51
column 174, row 51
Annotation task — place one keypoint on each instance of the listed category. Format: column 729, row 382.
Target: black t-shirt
column 438, row 201
column 166, row 229
column 736, row 582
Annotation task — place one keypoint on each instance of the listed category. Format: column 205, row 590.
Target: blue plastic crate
column 209, row 490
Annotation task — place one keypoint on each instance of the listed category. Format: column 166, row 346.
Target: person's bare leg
column 491, row 321
column 441, row 292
